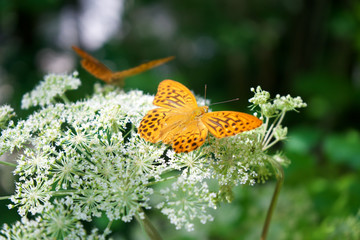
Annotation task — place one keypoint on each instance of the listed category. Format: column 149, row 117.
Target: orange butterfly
column 99, row 70
column 181, row 122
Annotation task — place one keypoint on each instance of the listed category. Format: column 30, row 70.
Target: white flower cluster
column 54, row 85
column 57, row 223
column 187, row 200
column 274, row 112
column 81, row 160
column 280, row 103
column 6, row 113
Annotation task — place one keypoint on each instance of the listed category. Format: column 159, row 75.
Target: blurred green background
column 298, row 47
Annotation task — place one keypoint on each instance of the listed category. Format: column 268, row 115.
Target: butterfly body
column 181, row 122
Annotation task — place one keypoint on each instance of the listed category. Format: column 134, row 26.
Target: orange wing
column 174, row 95
column 99, row 70
column 141, row 68
column 176, row 128
column 93, row 66
column 227, row 123
column 152, row 123
column 190, row 138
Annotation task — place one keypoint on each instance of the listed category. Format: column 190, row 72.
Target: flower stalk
column 147, row 226
column 5, row 197
column 8, row 164
column 279, row 183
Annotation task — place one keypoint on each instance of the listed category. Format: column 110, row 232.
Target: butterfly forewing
column 93, row 66
column 174, row 95
column 99, row 70
column 228, row 123
column 141, row 68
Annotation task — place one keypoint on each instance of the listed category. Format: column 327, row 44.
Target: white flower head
column 186, row 201
column 54, row 85
column 6, row 113
column 260, row 96
column 32, row 196
column 288, row 103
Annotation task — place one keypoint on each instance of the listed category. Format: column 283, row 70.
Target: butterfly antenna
column 231, row 100
column 208, row 136
column 205, row 93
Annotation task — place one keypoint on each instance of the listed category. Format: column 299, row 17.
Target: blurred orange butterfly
column 181, row 122
column 99, row 70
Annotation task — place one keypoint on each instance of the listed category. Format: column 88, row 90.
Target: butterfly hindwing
column 151, row 125
column 227, row 123
column 191, row 138
column 174, row 95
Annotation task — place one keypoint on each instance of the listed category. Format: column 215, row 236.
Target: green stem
column 279, row 183
column 5, row 197
column 8, row 164
column 278, row 121
column 268, row 131
column 265, row 128
column 162, row 180
column 270, row 144
column 65, row 99
column 148, row 227
column 60, row 193
column 107, row 229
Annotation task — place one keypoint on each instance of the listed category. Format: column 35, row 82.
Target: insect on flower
column 179, row 121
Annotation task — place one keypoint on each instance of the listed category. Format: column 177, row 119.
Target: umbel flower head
column 85, row 159
column 54, row 85
column 6, row 113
